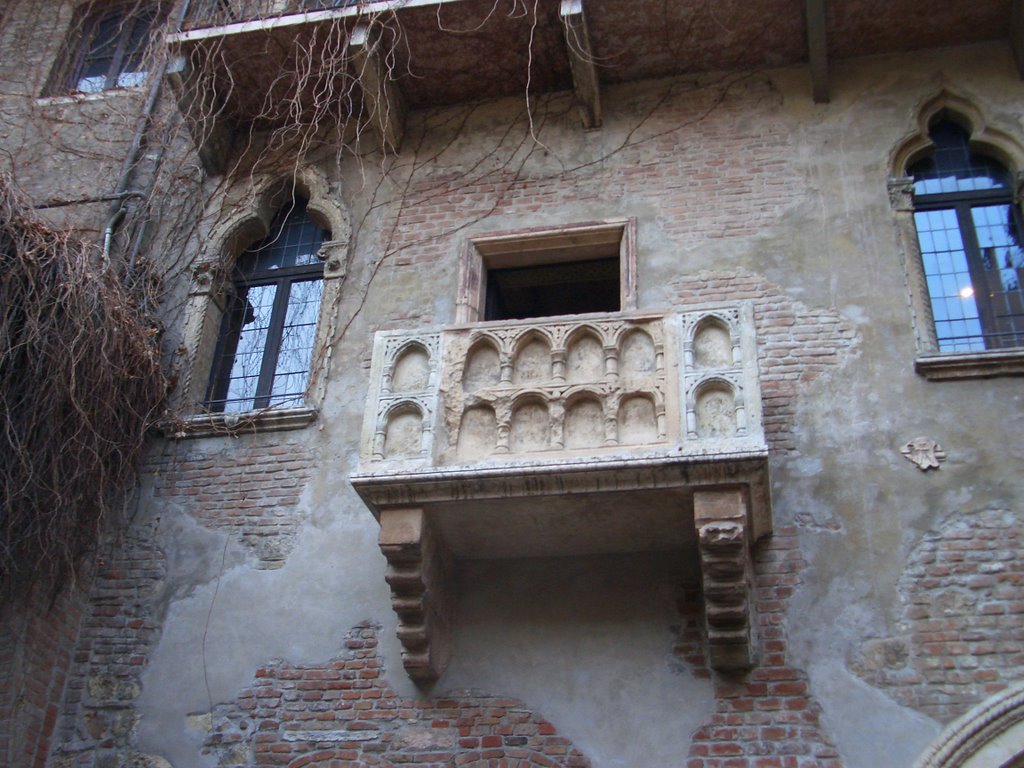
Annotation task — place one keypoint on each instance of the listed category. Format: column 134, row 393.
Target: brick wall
column 119, row 629
column 342, row 713
column 960, row 637
column 698, row 160
column 796, row 344
column 768, row 718
column 37, row 634
column 248, row 490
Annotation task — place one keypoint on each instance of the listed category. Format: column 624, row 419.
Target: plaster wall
column 741, row 188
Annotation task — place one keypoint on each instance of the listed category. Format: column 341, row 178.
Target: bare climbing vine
column 80, row 381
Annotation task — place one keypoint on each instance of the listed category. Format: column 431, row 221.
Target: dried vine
column 80, row 381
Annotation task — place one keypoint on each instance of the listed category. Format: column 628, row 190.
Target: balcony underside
column 462, row 51
column 630, row 505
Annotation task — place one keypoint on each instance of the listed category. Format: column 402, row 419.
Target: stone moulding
column 489, row 434
column 991, row 734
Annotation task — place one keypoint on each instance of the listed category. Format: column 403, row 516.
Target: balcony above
column 566, row 436
column 263, row 63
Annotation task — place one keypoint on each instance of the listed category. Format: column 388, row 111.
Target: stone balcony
column 567, row 436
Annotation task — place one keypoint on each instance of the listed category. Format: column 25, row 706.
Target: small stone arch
column 530, row 426
column 411, row 368
column 713, row 342
column 403, row 429
column 715, row 404
column 638, row 354
column 584, row 358
column 483, row 365
column 531, row 362
column 584, row 420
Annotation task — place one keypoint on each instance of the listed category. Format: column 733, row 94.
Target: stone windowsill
column 971, row 365
column 232, row 424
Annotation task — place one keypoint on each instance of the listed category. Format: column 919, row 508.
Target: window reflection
column 969, row 236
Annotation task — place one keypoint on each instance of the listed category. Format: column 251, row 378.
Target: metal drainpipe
column 118, row 210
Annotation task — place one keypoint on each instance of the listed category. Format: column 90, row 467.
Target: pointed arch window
column 268, row 329
column 969, row 234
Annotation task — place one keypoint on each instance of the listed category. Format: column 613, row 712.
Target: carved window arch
column 958, row 209
column 275, row 243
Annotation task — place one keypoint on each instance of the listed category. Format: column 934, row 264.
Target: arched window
column 969, row 232
column 268, row 329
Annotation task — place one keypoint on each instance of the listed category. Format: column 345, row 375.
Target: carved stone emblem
column 924, row 452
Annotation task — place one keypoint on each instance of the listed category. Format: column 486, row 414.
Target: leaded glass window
column 968, row 229
column 269, row 325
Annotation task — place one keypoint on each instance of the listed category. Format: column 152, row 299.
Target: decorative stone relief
column 716, row 411
column 639, row 421
column 584, row 424
column 403, row 435
column 720, row 367
column 585, row 360
column 555, row 386
column 499, row 391
column 901, row 194
column 483, row 368
column 924, row 452
column 412, row 371
column 407, row 370
column 530, row 428
column 532, row 363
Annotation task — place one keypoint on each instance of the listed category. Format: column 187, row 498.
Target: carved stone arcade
column 566, row 436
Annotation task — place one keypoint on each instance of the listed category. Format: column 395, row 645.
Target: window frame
column 129, row 16
column 930, row 362
column 283, row 279
column 547, row 245
column 244, row 215
column 962, row 203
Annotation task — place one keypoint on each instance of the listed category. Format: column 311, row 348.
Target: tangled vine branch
column 80, row 381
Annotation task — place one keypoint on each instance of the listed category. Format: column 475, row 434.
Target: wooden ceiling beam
column 817, row 49
column 586, row 84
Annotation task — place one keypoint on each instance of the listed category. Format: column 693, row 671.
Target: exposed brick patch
column 699, row 160
column 796, row 344
column 250, row 491
column 769, row 718
column 37, row 636
column 343, row 714
column 961, row 634
column 116, row 637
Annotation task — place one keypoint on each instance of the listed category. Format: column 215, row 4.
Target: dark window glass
column 269, row 326
column 968, row 229
column 566, row 288
column 112, row 50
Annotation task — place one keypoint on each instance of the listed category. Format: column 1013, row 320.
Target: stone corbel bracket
column 420, row 576
column 724, row 542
